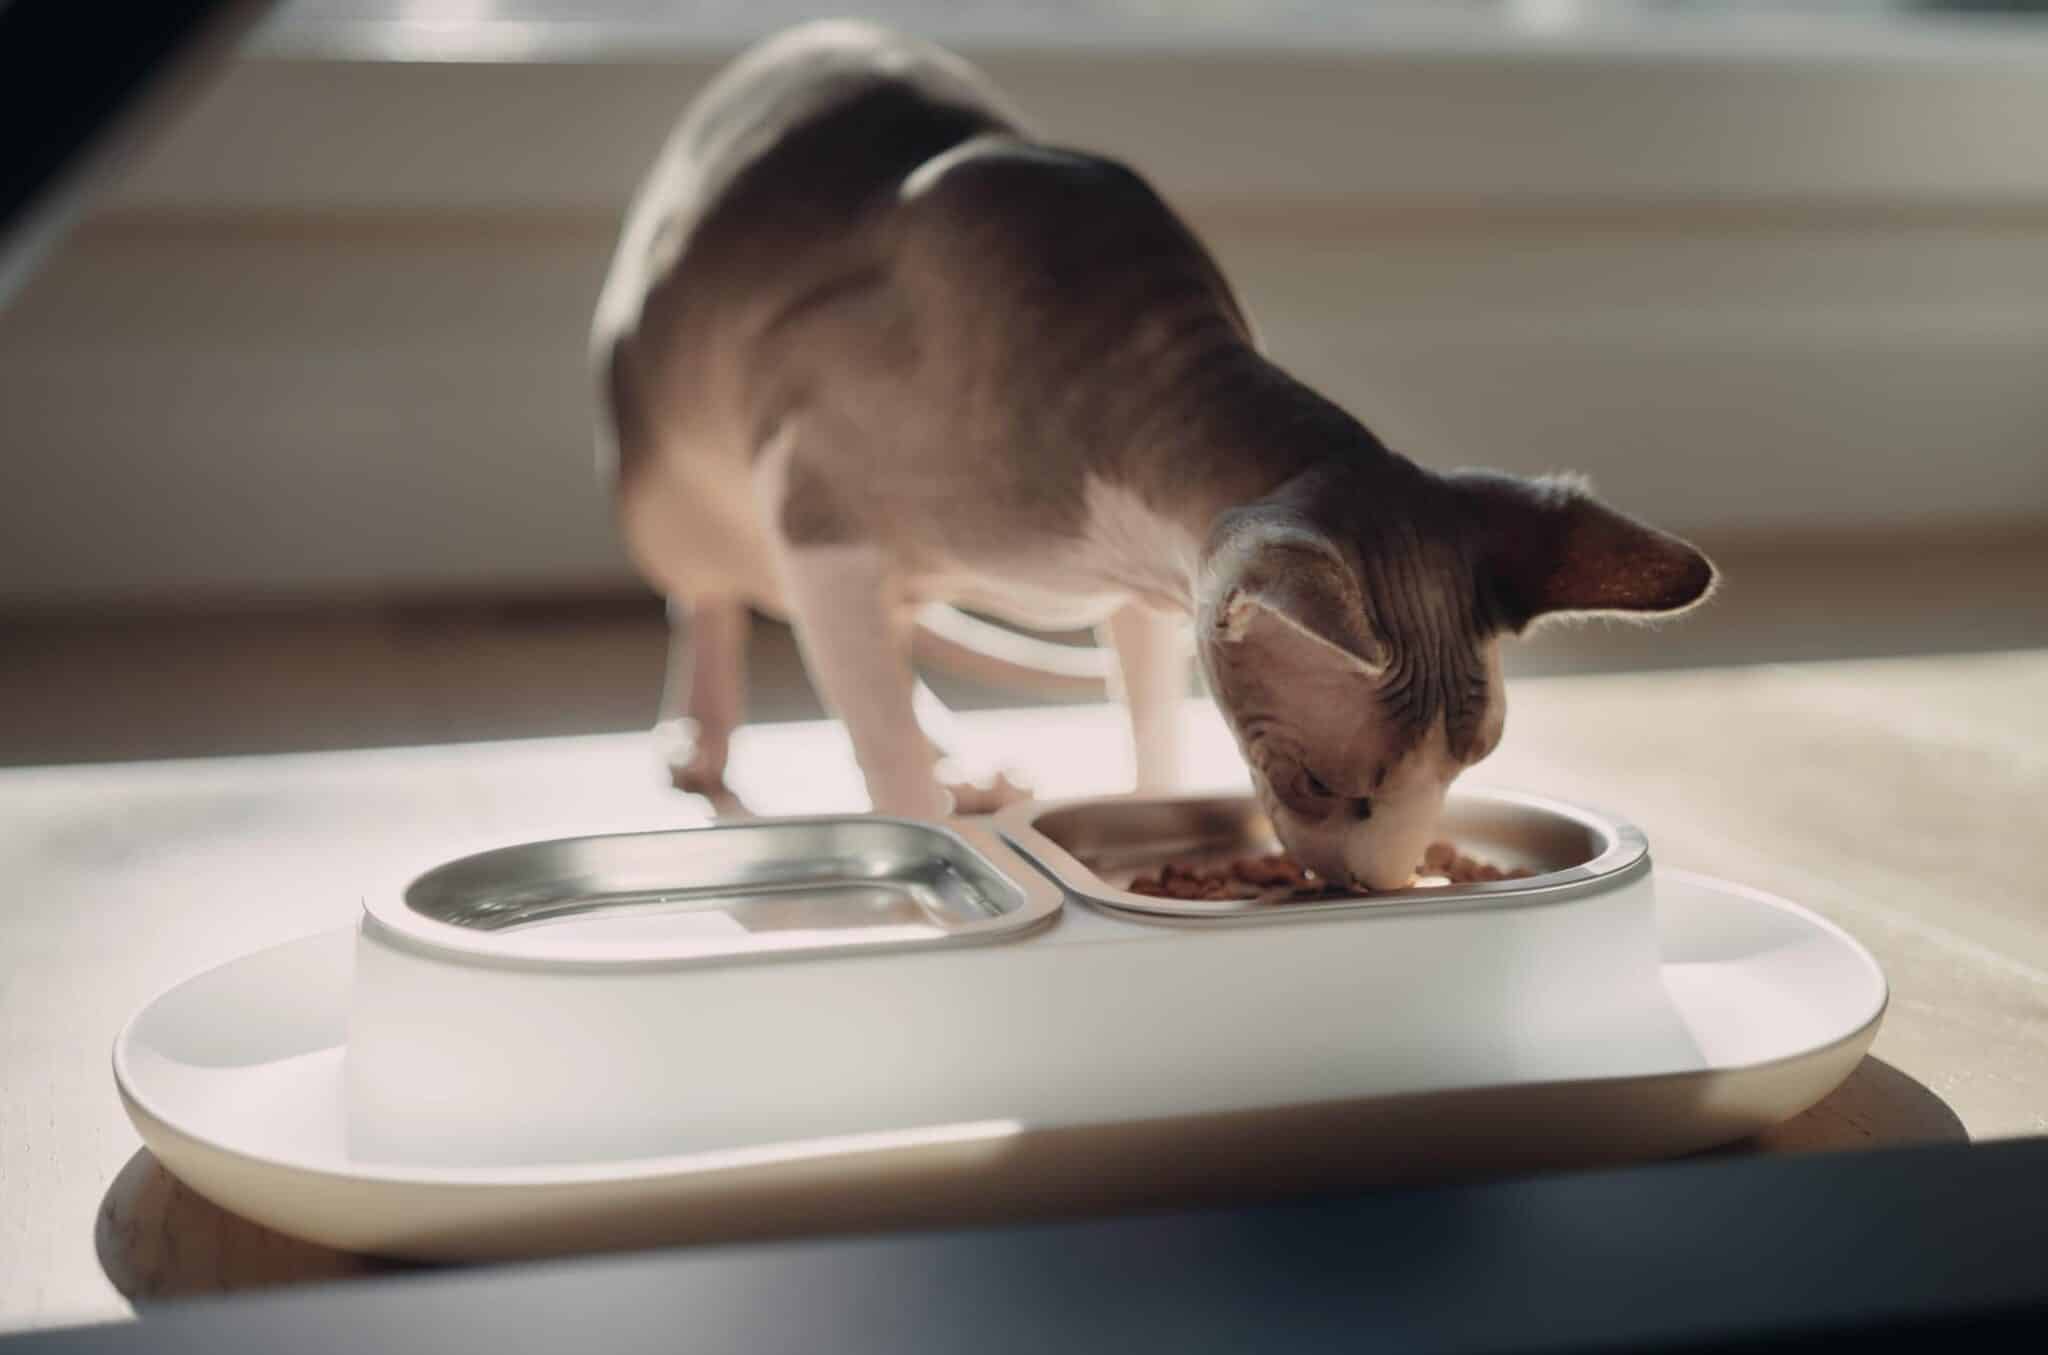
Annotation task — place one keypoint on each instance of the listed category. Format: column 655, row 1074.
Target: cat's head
column 1351, row 632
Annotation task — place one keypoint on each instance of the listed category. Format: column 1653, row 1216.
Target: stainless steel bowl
column 1094, row 847
column 775, row 888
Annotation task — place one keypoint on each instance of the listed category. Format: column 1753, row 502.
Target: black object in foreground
column 76, row 79
column 1743, row 1253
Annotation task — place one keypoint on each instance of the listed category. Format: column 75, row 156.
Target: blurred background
column 297, row 425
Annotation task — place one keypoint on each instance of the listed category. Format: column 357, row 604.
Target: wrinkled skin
column 869, row 345
column 1358, row 663
column 1349, row 797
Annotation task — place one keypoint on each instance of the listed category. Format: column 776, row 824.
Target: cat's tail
column 968, row 647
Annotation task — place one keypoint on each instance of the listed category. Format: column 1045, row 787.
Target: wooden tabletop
column 1899, row 798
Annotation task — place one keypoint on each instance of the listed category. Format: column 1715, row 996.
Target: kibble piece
column 1277, row 877
column 1268, row 870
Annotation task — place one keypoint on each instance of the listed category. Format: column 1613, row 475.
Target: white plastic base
column 236, row 1080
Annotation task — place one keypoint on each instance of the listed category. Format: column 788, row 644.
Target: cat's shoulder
column 1017, row 177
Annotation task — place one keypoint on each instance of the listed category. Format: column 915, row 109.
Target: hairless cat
column 870, row 352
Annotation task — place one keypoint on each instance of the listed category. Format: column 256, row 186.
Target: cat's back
column 784, row 151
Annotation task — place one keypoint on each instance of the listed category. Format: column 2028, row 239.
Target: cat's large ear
column 1284, row 592
column 1548, row 547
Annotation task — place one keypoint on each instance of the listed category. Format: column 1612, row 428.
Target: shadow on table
column 1877, row 1106
column 158, row 1240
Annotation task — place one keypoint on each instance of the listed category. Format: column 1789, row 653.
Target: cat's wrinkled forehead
column 1342, row 631
column 1423, row 599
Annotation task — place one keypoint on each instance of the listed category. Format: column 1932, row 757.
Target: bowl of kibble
column 1216, row 856
column 1276, row 877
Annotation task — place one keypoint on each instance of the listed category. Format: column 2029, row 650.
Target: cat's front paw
column 724, row 803
column 696, row 766
column 987, row 795
column 693, row 778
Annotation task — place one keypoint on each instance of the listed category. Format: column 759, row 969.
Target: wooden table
column 1900, row 798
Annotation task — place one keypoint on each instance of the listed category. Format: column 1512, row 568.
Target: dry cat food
column 1255, row 877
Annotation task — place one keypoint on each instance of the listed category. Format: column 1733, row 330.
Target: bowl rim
column 387, row 917
column 1624, row 857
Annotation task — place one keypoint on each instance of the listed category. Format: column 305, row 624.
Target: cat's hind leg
column 703, row 697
